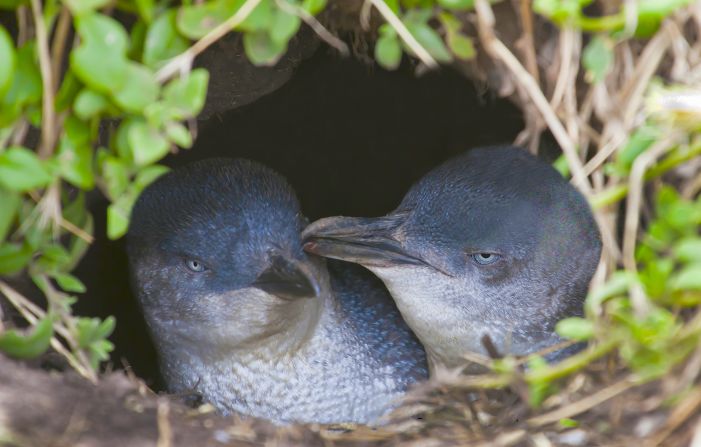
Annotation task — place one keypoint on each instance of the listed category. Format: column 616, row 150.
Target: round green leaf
column 139, row 90
column 575, row 328
column 261, row 49
column 26, row 88
column 21, row 170
column 100, row 61
column 461, row 46
column 7, row 60
column 597, row 58
column 163, row 41
column 89, row 103
column 80, row 7
column 284, row 26
column 118, row 217
column 75, row 161
column 197, row 20
column 147, row 144
column 186, row 96
column 388, row 51
column 416, row 22
column 178, row 134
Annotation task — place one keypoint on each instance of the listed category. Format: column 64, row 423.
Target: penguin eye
column 485, row 258
column 195, row 265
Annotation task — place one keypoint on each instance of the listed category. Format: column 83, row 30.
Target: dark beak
column 366, row 241
column 288, row 279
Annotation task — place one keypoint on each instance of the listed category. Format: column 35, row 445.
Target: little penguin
column 492, row 243
column 242, row 316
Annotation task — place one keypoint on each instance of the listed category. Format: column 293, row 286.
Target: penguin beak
column 366, row 241
column 288, row 279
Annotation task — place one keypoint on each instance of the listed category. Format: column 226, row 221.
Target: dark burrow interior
column 349, row 137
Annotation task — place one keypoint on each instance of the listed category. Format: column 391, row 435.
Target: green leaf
column 116, row 175
column 638, row 143
column 147, row 176
column 21, row 170
column 260, row 19
column 75, row 154
column 100, row 61
column 388, row 51
column 139, row 90
column 9, row 204
column 118, row 217
column 8, row 59
column 163, row 41
column 69, row 283
column 26, row 87
column 187, row 95
column 457, row 5
column 11, row 4
column 68, row 92
column 196, row 21
column 81, row 7
column 575, row 328
column 688, row 250
column 615, row 286
column 33, row 344
column 688, row 278
column 597, row 58
column 14, row 257
column 146, row 9
column 53, row 259
column 461, row 46
column 91, row 330
column 89, row 103
column 284, row 26
column 261, row 49
column 178, row 134
column 314, row 7
column 147, row 144
column 416, row 22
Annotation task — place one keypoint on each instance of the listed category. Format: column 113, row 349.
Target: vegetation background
column 93, row 93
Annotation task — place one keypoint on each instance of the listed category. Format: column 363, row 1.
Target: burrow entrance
column 350, row 138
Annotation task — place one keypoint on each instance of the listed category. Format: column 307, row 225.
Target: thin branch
column 636, row 182
column 63, row 26
column 583, row 405
column 315, row 25
column 528, row 39
column 183, row 61
column 21, row 304
column 48, row 119
column 499, row 51
column 404, row 33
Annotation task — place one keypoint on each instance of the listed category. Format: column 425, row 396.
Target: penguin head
column 494, row 242
column 215, row 255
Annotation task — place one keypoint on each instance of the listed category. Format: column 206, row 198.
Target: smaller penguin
column 241, row 315
column 491, row 243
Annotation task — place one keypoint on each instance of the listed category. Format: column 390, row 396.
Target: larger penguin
column 241, row 315
column 491, row 243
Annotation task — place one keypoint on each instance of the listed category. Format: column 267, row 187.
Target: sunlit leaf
column 139, row 90
column 7, row 60
column 597, row 58
column 147, row 144
column 261, row 49
column 22, row 170
column 163, row 41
